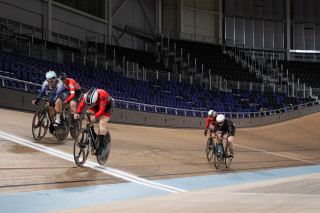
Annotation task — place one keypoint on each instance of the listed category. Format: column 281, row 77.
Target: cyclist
column 226, row 126
column 58, row 93
column 101, row 105
column 75, row 93
column 211, row 120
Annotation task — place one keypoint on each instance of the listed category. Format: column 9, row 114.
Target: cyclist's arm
column 81, row 106
column 72, row 95
column 43, row 90
column 207, row 124
column 60, row 88
column 104, row 102
column 214, row 131
column 102, row 107
column 231, row 129
column 41, row 93
column 72, row 86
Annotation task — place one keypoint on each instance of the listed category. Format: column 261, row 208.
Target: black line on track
column 230, row 170
column 62, row 182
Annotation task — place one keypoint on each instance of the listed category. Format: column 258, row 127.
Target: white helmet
column 211, row 113
column 220, row 118
column 91, row 96
column 51, row 74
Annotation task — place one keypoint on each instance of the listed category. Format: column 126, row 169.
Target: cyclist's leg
column 230, row 141
column 51, row 103
column 58, row 108
column 51, row 111
column 103, row 124
column 210, row 129
column 218, row 137
column 58, row 105
column 102, row 133
column 73, row 104
column 73, row 110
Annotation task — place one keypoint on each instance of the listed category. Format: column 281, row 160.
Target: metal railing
column 179, row 111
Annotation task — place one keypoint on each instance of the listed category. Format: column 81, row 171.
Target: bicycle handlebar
column 221, row 132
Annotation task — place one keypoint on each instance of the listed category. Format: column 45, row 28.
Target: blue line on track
column 213, row 181
column 60, row 199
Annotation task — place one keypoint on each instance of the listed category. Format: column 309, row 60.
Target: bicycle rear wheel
column 218, row 155
column 62, row 131
column 102, row 159
column 227, row 156
column 210, row 149
column 75, row 128
column 81, row 147
column 40, row 124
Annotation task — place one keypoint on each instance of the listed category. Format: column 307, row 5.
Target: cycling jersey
column 227, row 127
column 73, row 87
column 209, row 121
column 104, row 104
column 57, row 88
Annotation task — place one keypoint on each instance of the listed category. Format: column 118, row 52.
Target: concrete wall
column 15, row 99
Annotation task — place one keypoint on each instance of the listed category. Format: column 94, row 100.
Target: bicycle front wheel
column 40, row 124
column 227, row 156
column 81, row 147
column 210, row 149
column 218, row 155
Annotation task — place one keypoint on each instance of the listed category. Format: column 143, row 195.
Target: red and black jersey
column 72, row 86
column 210, row 121
column 103, row 100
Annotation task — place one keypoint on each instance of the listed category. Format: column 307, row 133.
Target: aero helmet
column 220, row 118
column 51, row 74
column 91, row 96
column 211, row 113
column 63, row 76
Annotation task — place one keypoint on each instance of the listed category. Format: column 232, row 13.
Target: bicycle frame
column 221, row 155
column 92, row 141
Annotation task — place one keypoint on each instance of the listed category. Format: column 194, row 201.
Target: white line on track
column 110, row 171
column 279, row 155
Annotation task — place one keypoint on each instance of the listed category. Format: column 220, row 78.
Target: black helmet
column 63, row 76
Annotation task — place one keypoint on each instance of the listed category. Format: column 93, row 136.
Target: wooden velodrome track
column 170, row 154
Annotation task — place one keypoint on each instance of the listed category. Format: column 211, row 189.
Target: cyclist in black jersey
column 227, row 127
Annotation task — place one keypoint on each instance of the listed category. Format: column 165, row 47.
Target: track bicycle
column 42, row 122
column 210, row 148
column 85, row 143
column 222, row 155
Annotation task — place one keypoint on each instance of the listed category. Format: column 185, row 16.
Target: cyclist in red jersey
column 75, row 93
column 101, row 106
column 211, row 120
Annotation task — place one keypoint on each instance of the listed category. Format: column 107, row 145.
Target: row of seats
column 153, row 92
column 210, row 56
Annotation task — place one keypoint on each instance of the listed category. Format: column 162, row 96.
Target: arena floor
column 276, row 168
